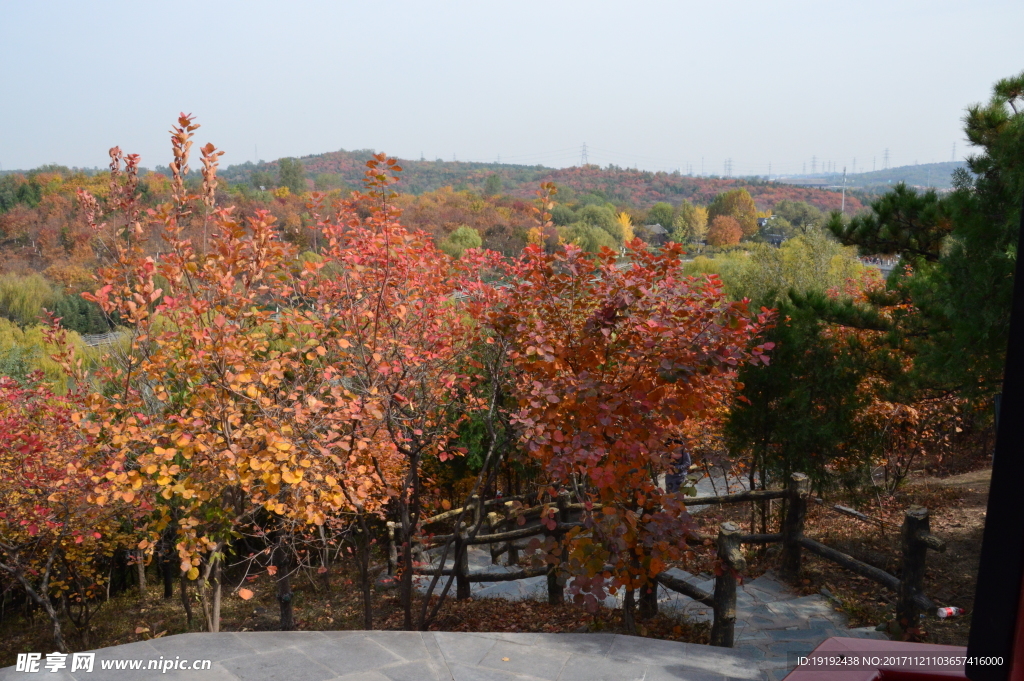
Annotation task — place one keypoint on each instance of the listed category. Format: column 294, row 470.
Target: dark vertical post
column 915, row 526
column 723, row 629
column 493, row 523
column 461, row 562
column 512, row 558
column 556, row 589
column 793, row 527
column 461, row 567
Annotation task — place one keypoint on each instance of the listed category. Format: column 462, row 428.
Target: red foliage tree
column 611, row 362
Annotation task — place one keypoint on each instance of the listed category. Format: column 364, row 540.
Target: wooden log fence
column 916, row 540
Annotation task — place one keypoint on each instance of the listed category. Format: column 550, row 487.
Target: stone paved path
column 412, row 656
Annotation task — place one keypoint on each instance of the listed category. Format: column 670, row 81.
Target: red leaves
column 611, row 362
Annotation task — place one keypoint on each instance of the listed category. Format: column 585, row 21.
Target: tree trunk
column 648, row 601
column 183, row 588
column 43, row 601
column 363, row 548
column 628, row 611
column 217, row 567
column 211, row 583
column 282, row 560
column 140, row 569
column 167, row 562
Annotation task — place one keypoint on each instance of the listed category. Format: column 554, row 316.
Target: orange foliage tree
column 724, row 231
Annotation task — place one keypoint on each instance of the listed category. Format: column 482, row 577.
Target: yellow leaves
column 144, row 544
column 252, row 392
column 101, row 500
column 166, row 454
column 193, row 573
column 128, row 496
column 163, row 480
column 290, row 477
column 283, row 445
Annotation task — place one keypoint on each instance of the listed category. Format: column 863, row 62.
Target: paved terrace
column 414, row 656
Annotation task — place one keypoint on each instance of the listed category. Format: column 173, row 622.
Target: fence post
column 556, row 590
column 461, row 565
column 723, row 629
column 916, row 526
column 493, row 525
column 512, row 558
column 793, row 527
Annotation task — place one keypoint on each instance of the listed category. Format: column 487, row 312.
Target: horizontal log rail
column 454, row 513
column 499, row 537
column 761, row 538
column 687, row 589
column 911, row 601
column 485, row 576
column 740, row 497
column 852, row 564
column 853, row 513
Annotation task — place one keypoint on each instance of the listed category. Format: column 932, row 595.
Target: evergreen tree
column 492, row 186
column 960, row 250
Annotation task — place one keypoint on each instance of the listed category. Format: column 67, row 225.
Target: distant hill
column 637, row 188
column 925, row 175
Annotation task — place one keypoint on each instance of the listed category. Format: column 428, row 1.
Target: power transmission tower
column 583, row 156
column 885, row 156
column 843, row 209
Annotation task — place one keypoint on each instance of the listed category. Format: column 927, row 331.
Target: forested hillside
column 637, row 188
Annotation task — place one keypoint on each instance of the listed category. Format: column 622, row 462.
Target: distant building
column 655, row 234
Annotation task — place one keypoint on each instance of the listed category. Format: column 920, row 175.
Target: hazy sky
column 659, row 85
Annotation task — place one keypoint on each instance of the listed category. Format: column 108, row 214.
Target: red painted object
column 878, row 651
